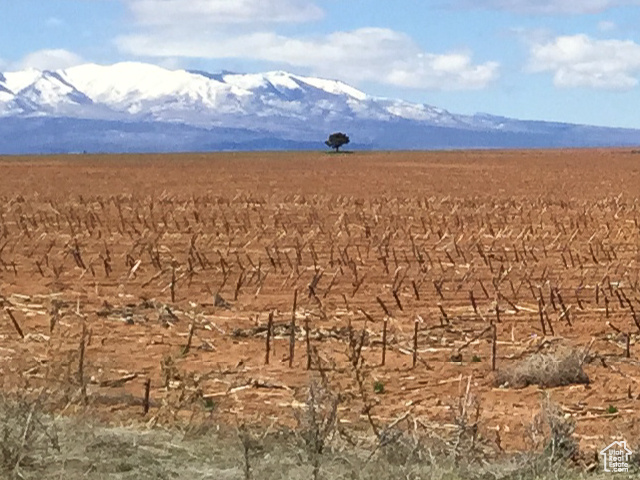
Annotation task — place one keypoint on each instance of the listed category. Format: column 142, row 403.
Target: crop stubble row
column 141, row 268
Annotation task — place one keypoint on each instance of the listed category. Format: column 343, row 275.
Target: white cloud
column 580, row 61
column 171, row 63
column 607, row 26
column 222, row 12
column 247, row 29
column 48, row 60
column 54, row 22
column 372, row 54
column 550, row 7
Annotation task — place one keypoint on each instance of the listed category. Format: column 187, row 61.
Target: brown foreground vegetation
column 448, row 296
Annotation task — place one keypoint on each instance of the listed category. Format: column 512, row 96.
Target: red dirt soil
column 100, row 240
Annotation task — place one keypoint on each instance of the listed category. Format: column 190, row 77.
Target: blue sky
column 561, row 60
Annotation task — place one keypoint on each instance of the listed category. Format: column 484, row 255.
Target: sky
column 559, row 60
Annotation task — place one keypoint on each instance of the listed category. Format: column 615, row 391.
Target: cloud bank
column 581, row 61
column 549, row 7
column 49, row 59
column 248, row 29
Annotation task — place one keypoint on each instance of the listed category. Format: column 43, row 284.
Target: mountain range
column 137, row 107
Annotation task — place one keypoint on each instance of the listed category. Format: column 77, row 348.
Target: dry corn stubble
column 460, row 239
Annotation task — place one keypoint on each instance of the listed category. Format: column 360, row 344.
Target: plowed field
column 172, row 264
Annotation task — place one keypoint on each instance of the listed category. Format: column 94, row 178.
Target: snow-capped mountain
column 141, row 91
column 140, row 107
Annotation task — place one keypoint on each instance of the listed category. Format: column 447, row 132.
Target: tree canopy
column 337, row 140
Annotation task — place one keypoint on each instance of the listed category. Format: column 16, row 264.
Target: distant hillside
column 136, row 107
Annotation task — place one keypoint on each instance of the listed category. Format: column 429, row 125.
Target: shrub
column 378, row 387
column 546, row 370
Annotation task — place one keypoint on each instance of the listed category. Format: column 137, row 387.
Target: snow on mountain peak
column 335, row 87
column 287, row 81
column 17, row 81
column 131, row 81
column 255, row 81
column 193, row 97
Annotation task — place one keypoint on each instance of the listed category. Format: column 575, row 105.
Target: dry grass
column 37, row 446
column 548, row 369
column 27, row 438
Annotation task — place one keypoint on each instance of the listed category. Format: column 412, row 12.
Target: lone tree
column 336, row 140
